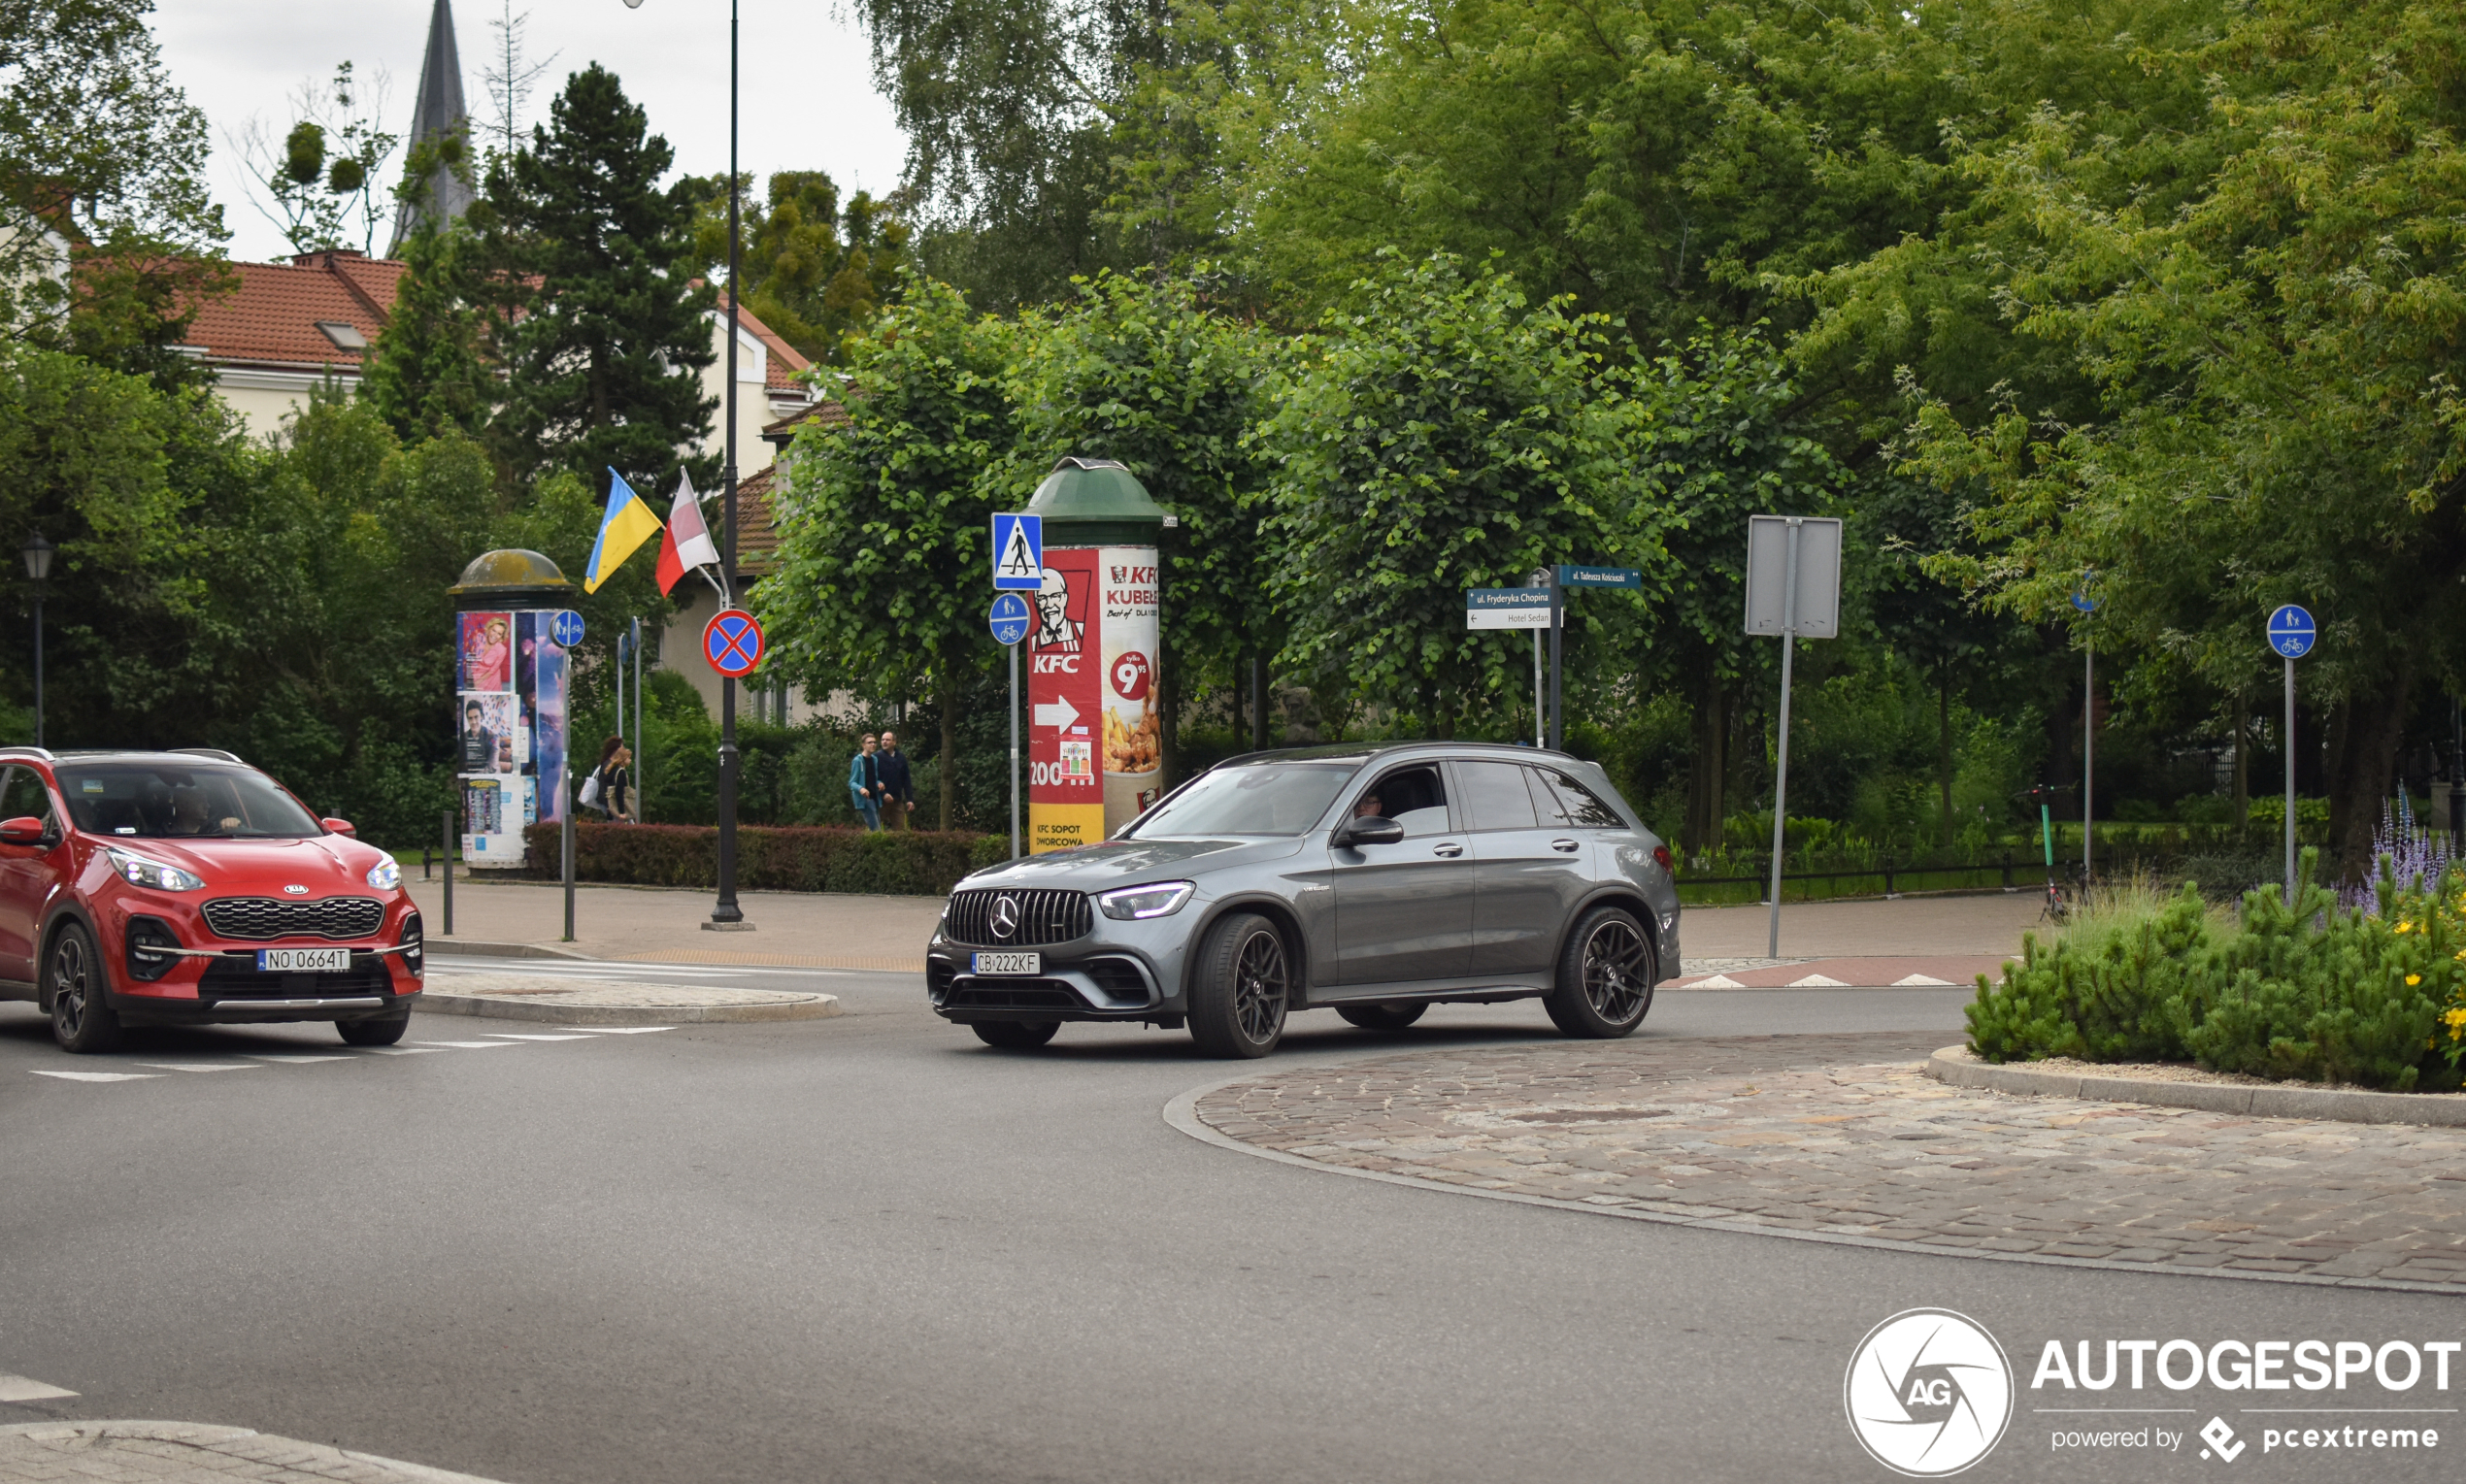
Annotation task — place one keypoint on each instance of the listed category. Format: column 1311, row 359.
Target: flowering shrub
column 2371, row 993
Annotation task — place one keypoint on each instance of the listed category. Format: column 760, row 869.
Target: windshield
column 1253, row 799
column 171, row 800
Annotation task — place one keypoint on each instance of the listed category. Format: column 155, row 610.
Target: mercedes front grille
column 1043, row 916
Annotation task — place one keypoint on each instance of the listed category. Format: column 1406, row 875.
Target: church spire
column 439, row 112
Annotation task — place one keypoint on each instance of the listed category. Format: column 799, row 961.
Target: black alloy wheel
column 1605, row 976
column 382, row 1030
column 1243, row 988
column 82, row 1018
column 1016, row 1035
column 1384, row 1015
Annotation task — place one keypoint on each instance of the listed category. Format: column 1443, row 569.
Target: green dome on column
column 1093, row 502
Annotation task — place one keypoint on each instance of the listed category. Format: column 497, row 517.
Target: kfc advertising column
column 1093, row 738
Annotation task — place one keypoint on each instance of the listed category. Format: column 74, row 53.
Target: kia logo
column 295, row 891
column 1006, row 916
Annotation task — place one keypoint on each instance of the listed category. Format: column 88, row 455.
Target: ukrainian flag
column 627, row 524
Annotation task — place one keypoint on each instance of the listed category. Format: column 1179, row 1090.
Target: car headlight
column 138, row 870
column 1162, row 900
column 386, row 874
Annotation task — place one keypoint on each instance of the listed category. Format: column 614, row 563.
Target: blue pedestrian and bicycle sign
column 1019, row 553
column 2291, row 632
column 1008, row 619
column 732, row 642
column 566, row 627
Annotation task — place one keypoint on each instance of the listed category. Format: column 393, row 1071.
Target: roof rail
column 212, row 752
column 41, row 752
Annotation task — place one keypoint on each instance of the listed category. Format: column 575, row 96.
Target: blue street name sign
column 1008, row 619
column 1019, row 553
column 1601, row 577
column 2291, row 632
column 566, row 628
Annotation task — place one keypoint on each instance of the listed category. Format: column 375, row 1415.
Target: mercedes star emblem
column 1006, row 917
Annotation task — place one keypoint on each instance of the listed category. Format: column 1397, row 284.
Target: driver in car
column 1368, row 808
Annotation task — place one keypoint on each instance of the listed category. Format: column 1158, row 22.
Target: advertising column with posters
column 510, row 680
column 1095, row 737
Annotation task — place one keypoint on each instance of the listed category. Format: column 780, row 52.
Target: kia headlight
column 1162, row 900
column 387, row 875
column 138, row 870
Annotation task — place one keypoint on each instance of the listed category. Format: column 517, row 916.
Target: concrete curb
column 1955, row 1065
column 1181, row 1113
column 480, row 948
column 210, row 1442
column 805, row 1007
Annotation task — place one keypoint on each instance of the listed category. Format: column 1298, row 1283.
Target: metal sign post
column 2088, row 725
column 1009, row 621
column 2291, row 632
column 1557, row 620
column 1541, row 714
column 1563, row 577
column 1793, row 590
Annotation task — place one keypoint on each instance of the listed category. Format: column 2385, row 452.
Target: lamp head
column 38, row 556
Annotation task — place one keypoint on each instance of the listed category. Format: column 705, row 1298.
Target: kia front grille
column 273, row 917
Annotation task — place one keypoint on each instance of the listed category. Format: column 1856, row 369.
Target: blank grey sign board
column 1819, row 575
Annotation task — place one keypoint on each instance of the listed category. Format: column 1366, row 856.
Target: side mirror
column 24, row 830
column 1367, row 830
column 338, row 826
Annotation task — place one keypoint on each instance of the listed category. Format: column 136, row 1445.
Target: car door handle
column 1451, row 849
column 1568, row 846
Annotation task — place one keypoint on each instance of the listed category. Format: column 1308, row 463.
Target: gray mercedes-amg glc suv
column 1372, row 880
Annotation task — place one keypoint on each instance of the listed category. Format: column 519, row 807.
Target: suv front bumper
column 1118, row 971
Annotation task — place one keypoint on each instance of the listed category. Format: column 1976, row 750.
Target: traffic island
column 568, row 1000
column 1848, row 1139
column 2169, row 1085
column 182, row 1450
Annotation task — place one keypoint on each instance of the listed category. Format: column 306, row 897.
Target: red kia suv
column 187, row 888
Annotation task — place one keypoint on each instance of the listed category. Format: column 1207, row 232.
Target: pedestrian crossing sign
column 1018, row 552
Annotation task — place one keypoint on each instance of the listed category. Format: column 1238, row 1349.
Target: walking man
column 898, row 786
column 864, row 783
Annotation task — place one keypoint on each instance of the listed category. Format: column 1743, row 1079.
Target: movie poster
column 485, row 653
column 1094, row 735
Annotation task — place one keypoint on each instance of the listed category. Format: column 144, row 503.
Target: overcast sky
column 807, row 94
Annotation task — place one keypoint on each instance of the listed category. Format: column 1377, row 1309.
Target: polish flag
column 687, row 542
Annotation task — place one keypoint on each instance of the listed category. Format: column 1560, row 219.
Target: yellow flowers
column 2413, row 980
column 2406, row 926
column 2457, row 1017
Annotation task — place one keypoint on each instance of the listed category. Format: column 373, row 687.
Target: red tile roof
column 758, row 537
column 273, row 319
column 782, row 431
column 785, row 361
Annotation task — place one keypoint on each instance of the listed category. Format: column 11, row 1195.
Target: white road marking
column 94, row 1076
column 1922, row 978
column 518, row 1036
column 470, row 1046
column 197, row 1065
column 1818, row 981
column 1716, row 981
column 623, row 1030
column 293, row 1061
column 14, row 1388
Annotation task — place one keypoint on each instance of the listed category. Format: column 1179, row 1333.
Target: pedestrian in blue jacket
column 864, row 783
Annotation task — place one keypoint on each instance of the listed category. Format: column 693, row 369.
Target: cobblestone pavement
column 1842, row 1136
column 180, row 1452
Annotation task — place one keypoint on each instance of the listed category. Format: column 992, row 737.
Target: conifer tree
column 427, row 372
column 598, row 316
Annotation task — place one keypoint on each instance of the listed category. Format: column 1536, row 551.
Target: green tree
column 810, row 269
column 883, row 530
column 599, row 322
column 427, row 371
column 1149, row 375
column 2271, row 345
column 1444, row 435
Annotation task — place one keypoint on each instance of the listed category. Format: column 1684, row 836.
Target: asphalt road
column 870, row 1249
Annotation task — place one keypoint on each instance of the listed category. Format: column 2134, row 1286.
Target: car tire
column 1016, row 1035
column 1384, row 1015
column 383, row 1031
column 1243, row 989
column 81, row 1017
column 1605, row 976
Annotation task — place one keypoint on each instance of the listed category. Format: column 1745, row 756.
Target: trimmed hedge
column 896, row 863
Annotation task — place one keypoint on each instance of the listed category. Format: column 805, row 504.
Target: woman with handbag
column 609, row 789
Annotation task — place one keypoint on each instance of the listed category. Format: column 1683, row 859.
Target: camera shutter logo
column 1006, row 917
column 1928, row 1393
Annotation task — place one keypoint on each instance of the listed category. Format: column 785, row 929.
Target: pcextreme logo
column 1928, row 1393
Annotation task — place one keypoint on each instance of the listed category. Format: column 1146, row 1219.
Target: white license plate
column 302, row 960
column 1010, row 963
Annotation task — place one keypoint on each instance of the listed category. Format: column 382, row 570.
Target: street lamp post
column 725, row 912
column 38, row 569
